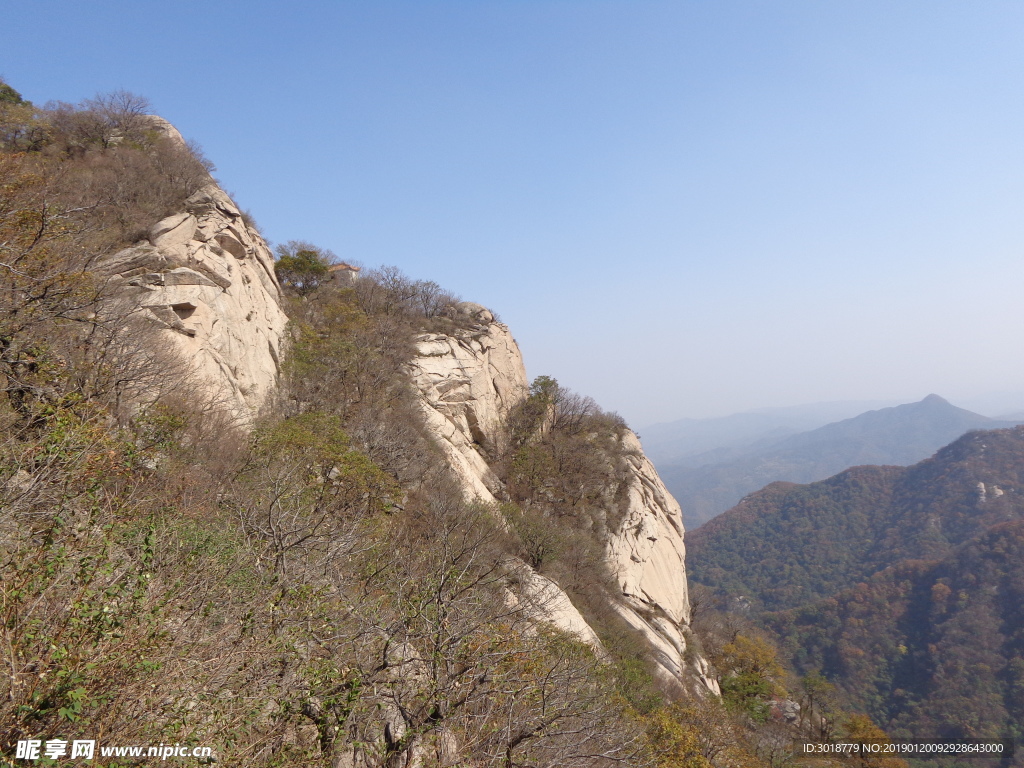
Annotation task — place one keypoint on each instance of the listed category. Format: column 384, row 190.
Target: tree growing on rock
column 303, row 266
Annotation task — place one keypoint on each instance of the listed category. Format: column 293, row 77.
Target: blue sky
column 680, row 208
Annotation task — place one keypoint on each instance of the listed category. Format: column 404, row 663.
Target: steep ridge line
column 467, row 384
column 207, row 280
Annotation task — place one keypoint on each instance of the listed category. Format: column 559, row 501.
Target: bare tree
column 122, row 114
column 451, row 670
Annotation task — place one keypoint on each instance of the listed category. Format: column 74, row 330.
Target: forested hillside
column 932, row 649
column 313, row 592
column 901, row 585
column 310, row 584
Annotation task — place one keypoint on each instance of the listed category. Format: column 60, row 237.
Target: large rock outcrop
column 467, row 382
column 647, row 554
column 206, row 279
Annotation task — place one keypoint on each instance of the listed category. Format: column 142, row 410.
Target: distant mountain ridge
column 901, row 435
column 686, row 441
column 903, row 585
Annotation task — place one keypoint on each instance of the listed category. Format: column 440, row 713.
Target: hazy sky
column 680, row 208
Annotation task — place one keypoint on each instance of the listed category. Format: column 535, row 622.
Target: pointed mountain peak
column 934, row 399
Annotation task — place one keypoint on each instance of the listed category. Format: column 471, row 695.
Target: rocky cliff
column 206, row 279
column 648, row 556
column 467, row 383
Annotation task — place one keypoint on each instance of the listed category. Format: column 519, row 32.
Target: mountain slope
column 904, row 585
column 901, row 435
column 788, row 544
column 287, row 543
column 930, row 648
